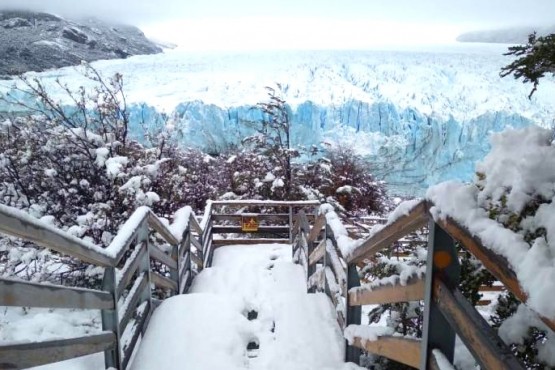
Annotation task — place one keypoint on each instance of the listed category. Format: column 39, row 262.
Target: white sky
column 233, row 24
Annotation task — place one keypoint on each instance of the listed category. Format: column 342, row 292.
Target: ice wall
column 408, row 149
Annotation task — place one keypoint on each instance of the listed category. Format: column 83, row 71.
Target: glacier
column 421, row 115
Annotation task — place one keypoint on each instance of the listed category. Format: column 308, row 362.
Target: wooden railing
column 275, row 218
column 447, row 313
column 125, row 300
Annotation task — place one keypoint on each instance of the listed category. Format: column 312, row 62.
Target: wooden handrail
column 19, row 224
column 415, row 219
column 458, row 312
column 403, row 350
column 266, row 203
column 133, row 235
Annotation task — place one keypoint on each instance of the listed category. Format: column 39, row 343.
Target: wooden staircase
column 133, row 265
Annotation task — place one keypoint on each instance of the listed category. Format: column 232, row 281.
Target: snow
column 407, row 272
column 525, row 172
column 516, row 329
column 209, row 329
column 403, row 209
column 180, row 222
column 442, row 361
column 19, row 324
column 126, row 231
column 366, row 332
column 101, row 155
column 114, row 166
column 345, row 244
column 521, row 166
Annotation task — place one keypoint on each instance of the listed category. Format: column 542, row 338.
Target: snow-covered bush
column 510, row 207
column 74, row 167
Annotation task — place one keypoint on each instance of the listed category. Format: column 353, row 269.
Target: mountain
column 421, row 116
column 31, row 41
column 517, row 35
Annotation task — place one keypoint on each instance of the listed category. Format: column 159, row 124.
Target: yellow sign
column 249, row 223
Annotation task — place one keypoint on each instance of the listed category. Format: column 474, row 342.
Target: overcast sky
column 224, row 24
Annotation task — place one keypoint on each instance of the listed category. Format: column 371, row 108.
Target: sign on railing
column 249, row 224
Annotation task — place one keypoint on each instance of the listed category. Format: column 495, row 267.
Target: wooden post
column 142, row 236
column 353, row 314
column 110, row 320
column 442, row 262
column 291, row 224
column 311, row 269
column 174, row 274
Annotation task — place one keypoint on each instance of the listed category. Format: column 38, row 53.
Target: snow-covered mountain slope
column 32, row 41
column 422, row 115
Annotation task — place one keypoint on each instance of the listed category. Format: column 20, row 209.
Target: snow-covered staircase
column 250, row 310
column 242, row 303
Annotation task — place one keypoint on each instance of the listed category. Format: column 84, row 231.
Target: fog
column 224, row 22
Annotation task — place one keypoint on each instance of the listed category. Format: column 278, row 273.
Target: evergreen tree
column 536, row 59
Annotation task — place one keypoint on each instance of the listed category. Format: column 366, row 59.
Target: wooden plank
column 317, row 228
column 157, row 254
column 162, row 281
column 261, row 216
column 131, row 268
column 403, row 350
column 223, row 242
column 19, row 224
column 337, row 265
column 219, row 229
column 335, row 296
column 197, row 260
column 138, row 328
column 412, row 291
column 497, row 265
column 185, row 245
column 132, row 302
column 493, row 288
column 266, row 203
column 155, row 223
column 417, row 218
column 127, row 233
column 186, row 263
column 196, row 243
column 24, row 355
column 303, row 220
column 318, row 253
column 480, row 339
column 26, row 294
column 185, row 282
column 193, row 224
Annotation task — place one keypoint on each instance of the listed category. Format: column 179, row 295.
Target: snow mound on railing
column 515, row 186
column 346, row 245
column 366, row 333
column 180, row 222
column 126, row 231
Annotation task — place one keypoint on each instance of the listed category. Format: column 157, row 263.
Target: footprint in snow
column 253, row 348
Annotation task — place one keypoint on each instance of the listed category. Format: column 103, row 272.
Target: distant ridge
column 32, row 41
column 517, row 35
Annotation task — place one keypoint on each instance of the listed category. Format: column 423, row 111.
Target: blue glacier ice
column 421, row 116
column 407, row 149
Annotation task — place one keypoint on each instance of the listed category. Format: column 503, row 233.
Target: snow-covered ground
column 210, row 328
column 19, row 324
